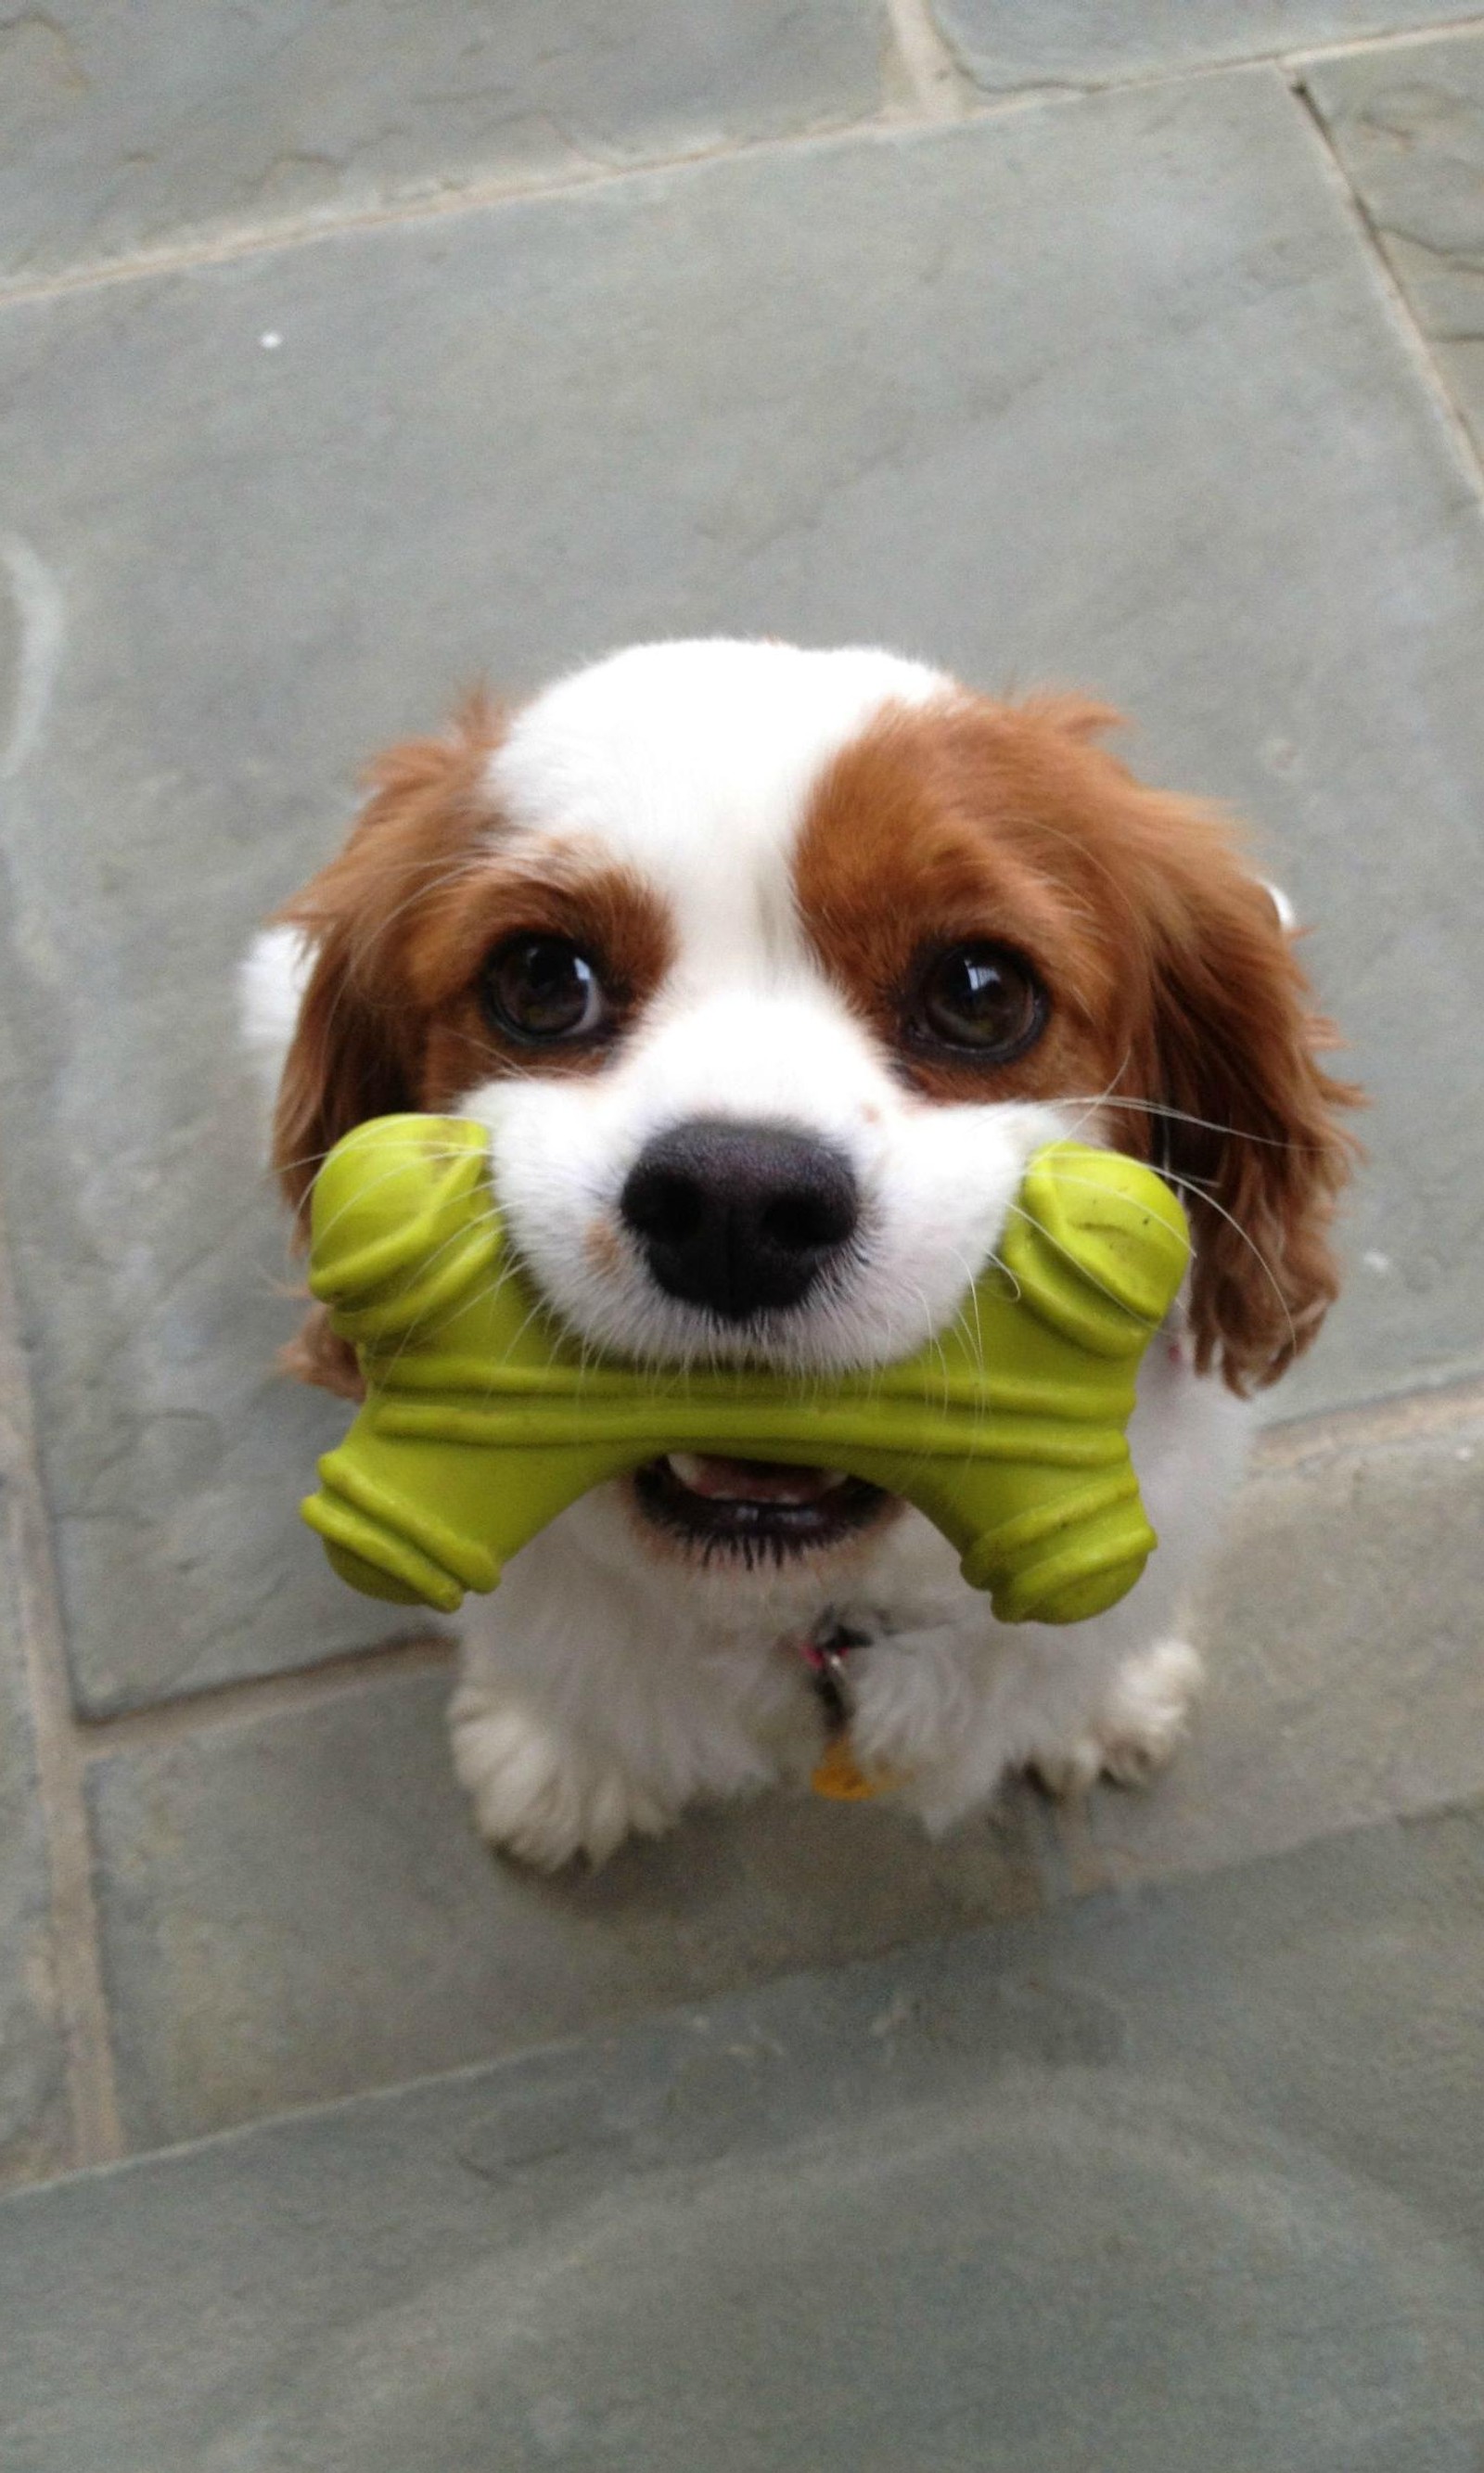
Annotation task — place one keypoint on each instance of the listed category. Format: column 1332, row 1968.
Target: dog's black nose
column 739, row 1217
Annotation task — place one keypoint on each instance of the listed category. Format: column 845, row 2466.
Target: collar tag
column 840, row 1778
column 838, row 1775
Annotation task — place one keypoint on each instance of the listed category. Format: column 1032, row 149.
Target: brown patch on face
column 1171, row 985
column 603, row 1248
column 604, row 910
column 935, row 830
column 402, row 920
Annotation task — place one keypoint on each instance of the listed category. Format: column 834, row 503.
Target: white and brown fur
column 756, row 844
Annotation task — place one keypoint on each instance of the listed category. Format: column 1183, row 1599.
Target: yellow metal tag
column 840, row 1777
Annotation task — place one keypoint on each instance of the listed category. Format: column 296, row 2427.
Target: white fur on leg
column 597, row 1700
column 604, row 1693
column 952, row 1712
column 955, row 1702
column 535, row 1791
column 1139, row 1728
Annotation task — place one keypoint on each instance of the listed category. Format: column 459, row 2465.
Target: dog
column 767, row 970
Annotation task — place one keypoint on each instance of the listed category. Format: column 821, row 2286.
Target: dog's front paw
column 1138, row 1730
column 539, row 1792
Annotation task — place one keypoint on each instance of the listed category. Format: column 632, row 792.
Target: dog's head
column 768, row 970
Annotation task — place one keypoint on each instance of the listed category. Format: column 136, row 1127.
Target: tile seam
column 938, row 87
column 1393, row 39
column 1378, row 1425
column 993, row 102
column 75, row 1944
column 250, row 1698
column 942, row 94
column 223, row 249
column 1410, row 330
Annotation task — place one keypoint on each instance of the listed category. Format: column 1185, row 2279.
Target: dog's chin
column 750, row 1514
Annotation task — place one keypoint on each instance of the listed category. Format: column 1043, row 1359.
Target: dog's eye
column 542, row 987
column 980, row 998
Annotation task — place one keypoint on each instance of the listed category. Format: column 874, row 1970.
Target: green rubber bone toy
column 484, row 1418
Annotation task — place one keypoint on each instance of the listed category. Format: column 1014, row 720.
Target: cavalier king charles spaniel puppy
column 767, row 970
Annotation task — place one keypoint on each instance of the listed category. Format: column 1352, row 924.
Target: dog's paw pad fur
column 1137, row 1731
column 537, row 1793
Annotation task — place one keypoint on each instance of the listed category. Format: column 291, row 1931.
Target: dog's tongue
column 751, row 1480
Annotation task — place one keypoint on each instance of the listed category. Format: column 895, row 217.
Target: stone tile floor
column 1164, row 2182
column 344, row 354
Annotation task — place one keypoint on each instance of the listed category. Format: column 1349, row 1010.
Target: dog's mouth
column 753, row 1510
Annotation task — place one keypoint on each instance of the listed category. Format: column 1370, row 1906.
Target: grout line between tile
column 939, row 92
column 934, row 81
column 76, row 1949
column 1373, row 1424
column 1413, row 334
column 223, row 249
column 253, row 1697
column 1396, row 38
column 982, row 103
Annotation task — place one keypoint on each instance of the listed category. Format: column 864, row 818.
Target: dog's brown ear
column 1216, row 1066
column 349, row 1059
column 357, row 1046
column 1251, row 1124
column 319, row 1356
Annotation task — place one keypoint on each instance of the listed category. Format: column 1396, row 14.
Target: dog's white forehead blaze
column 693, row 763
